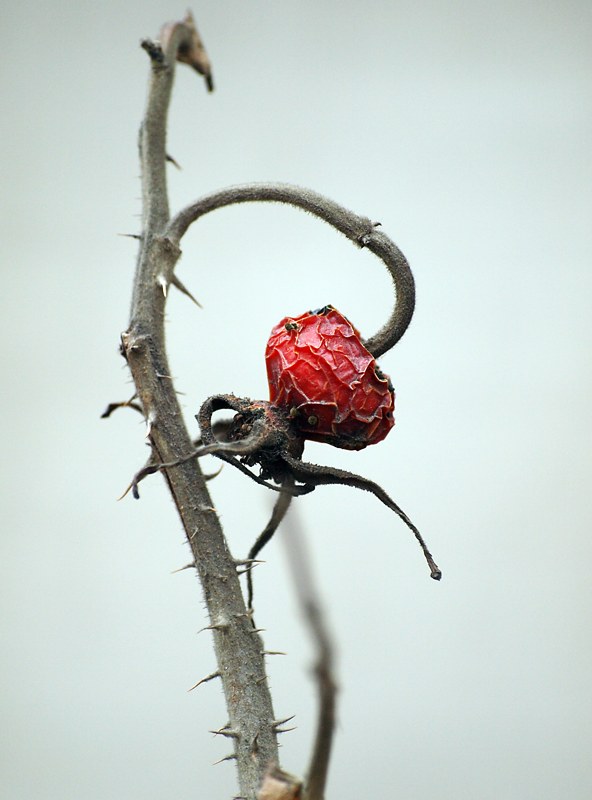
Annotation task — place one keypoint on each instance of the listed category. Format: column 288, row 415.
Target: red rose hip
column 318, row 368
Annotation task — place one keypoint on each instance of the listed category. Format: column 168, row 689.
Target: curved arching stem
column 360, row 230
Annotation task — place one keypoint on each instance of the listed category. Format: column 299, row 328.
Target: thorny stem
column 360, row 230
column 239, row 651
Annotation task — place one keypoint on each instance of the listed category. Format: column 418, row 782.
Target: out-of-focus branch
column 310, row 604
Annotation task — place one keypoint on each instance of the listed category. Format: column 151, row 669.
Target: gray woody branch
column 239, row 650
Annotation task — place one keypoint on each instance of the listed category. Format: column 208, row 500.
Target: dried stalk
column 312, row 612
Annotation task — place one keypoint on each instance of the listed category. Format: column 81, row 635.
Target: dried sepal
column 191, row 49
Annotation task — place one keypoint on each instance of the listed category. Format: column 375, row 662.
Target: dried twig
column 121, row 404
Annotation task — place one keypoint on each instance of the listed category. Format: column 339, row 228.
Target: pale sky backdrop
column 465, row 128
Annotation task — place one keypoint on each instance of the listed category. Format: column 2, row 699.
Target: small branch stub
column 280, row 785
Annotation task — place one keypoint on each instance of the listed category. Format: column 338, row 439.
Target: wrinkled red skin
column 318, row 368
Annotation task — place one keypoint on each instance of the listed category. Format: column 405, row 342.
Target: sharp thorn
column 249, row 567
column 150, row 422
column 222, row 728
column 244, row 615
column 257, row 630
column 172, row 161
column 284, row 730
column 130, row 235
column 231, row 757
column 184, row 290
column 187, row 566
column 226, row 731
column 126, row 493
column 205, row 680
column 221, row 626
column 278, row 722
column 209, row 476
column 164, row 284
column 255, row 745
column 273, row 653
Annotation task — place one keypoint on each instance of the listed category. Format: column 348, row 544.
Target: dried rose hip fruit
column 318, row 368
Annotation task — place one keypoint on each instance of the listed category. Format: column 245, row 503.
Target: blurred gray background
column 465, row 129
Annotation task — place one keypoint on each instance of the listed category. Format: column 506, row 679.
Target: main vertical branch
column 239, row 650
